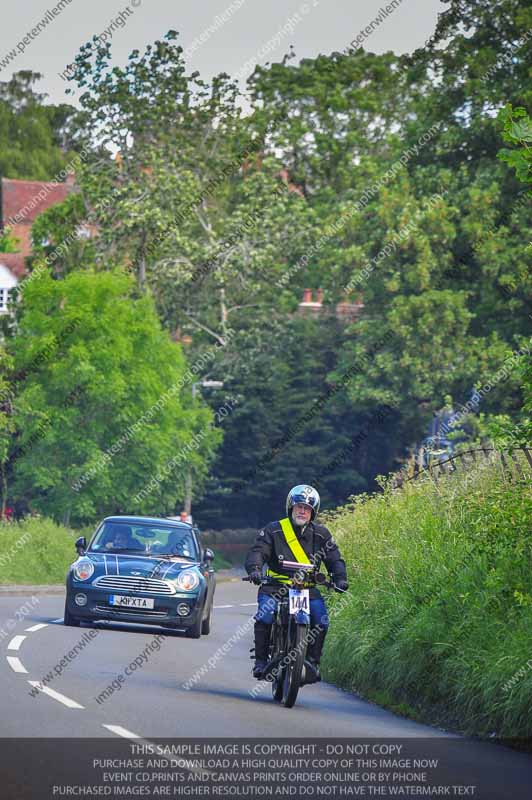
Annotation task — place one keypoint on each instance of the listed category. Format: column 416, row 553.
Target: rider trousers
column 319, row 622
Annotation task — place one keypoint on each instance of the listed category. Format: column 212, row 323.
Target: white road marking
column 223, row 606
column 248, row 604
column 37, row 627
column 16, row 664
column 55, row 695
column 15, row 642
column 181, row 762
column 122, row 731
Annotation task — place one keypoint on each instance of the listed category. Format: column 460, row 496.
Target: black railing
column 512, row 466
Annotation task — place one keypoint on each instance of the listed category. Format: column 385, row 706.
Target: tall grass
column 35, row 551
column 438, row 620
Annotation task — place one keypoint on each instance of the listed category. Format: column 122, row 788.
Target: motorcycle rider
column 299, row 538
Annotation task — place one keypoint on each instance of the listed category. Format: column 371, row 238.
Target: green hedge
column 35, row 551
column 438, row 619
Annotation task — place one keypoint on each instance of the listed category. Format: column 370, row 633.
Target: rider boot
column 262, row 644
column 314, row 651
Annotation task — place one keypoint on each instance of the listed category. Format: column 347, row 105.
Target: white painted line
column 37, row 627
column 15, row 642
column 55, row 695
column 248, row 604
column 122, row 731
column 16, row 664
column 223, row 606
column 56, row 621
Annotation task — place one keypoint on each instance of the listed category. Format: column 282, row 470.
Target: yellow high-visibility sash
column 295, row 548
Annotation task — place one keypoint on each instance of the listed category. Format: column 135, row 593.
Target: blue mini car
column 144, row 570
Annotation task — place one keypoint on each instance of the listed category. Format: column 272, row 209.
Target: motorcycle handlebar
column 327, row 583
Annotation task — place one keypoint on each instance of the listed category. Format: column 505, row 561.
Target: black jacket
column 316, row 541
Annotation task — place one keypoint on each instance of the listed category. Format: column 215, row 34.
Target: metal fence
column 513, row 466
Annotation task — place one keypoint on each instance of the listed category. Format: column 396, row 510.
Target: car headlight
column 187, row 580
column 83, row 569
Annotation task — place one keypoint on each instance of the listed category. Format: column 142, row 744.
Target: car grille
column 144, row 612
column 126, row 583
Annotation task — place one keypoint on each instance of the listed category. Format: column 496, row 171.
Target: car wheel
column 206, row 624
column 195, row 631
column 68, row 619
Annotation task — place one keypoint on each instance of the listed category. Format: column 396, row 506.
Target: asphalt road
column 155, row 701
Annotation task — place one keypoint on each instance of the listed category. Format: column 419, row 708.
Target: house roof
column 27, row 199
column 14, row 263
column 7, row 279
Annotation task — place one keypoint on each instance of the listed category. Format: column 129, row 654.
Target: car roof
column 150, row 520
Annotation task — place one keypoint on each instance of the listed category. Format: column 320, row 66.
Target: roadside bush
column 438, row 618
column 35, row 551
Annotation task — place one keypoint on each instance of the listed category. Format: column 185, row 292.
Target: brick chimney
column 349, row 311
column 308, row 305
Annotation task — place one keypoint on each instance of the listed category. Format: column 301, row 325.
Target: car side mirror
column 208, row 555
column 81, row 545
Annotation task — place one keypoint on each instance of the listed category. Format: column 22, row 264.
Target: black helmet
column 303, row 494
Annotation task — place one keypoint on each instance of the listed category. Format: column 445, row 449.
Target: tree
column 293, row 424
column 517, row 131
column 34, row 136
column 101, row 405
column 372, row 177
column 189, row 204
column 398, row 159
column 8, row 243
column 6, row 425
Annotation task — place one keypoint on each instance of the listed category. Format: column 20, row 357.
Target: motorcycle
column 288, row 668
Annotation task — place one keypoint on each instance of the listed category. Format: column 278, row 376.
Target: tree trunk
column 142, row 272
column 188, row 493
column 141, row 277
column 223, row 312
column 4, row 493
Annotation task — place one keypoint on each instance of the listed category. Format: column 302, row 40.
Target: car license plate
column 130, row 602
column 299, row 600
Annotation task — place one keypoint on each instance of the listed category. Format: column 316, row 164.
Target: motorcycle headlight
column 187, row 580
column 83, row 569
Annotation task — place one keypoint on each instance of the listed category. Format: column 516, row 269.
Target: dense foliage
column 98, row 402
column 36, row 552
column 438, row 620
column 34, row 138
column 374, row 177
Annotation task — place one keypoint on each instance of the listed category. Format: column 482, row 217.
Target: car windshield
column 145, row 539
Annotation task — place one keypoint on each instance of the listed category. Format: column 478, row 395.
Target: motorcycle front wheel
column 296, row 652
column 278, row 638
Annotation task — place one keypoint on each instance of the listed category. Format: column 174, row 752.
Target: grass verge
column 437, row 623
column 35, row 551
column 39, row 552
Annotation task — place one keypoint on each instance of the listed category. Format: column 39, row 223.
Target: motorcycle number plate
column 299, row 600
